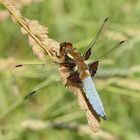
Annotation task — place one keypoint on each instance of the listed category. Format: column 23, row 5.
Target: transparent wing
column 32, row 69
column 88, row 51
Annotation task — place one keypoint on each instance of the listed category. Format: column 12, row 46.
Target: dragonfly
column 85, row 72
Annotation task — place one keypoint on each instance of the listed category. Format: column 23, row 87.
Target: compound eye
column 69, row 44
column 63, row 44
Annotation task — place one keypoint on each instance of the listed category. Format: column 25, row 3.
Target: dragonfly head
column 65, row 47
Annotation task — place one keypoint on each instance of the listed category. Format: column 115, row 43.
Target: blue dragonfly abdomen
column 93, row 96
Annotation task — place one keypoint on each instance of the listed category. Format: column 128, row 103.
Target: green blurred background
column 117, row 79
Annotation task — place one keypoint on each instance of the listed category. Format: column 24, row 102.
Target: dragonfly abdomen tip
column 104, row 117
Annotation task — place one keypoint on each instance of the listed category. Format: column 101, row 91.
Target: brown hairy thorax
column 77, row 58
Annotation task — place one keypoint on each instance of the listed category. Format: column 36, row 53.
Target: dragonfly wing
column 88, row 51
column 93, row 68
column 87, row 54
column 93, row 96
column 74, row 77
